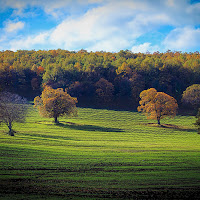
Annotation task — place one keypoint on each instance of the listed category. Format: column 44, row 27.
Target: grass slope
column 100, row 154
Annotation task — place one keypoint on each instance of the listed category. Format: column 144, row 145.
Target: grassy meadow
column 100, row 154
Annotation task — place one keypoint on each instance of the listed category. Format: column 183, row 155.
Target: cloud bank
column 109, row 25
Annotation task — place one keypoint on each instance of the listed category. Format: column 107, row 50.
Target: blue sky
column 100, row 25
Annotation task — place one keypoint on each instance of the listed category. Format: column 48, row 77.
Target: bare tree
column 13, row 108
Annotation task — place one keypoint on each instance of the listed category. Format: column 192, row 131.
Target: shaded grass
column 174, row 127
column 100, row 154
column 88, row 127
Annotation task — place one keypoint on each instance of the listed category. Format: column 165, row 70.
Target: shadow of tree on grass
column 87, row 127
column 171, row 126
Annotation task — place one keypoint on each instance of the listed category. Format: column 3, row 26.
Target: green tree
column 124, row 70
column 54, row 103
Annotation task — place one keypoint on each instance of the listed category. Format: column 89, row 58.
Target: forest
column 99, row 79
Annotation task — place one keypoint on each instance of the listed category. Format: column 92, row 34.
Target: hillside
column 100, row 154
column 100, row 79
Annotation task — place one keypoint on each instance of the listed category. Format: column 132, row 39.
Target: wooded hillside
column 101, row 79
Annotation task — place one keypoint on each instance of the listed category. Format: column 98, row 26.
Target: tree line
column 102, row 79
column 55, row 103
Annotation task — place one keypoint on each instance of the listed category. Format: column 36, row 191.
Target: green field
column 101, row 154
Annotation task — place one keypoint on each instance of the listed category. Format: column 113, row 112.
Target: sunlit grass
column 100, row 153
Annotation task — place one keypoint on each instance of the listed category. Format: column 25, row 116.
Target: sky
column 100, row 25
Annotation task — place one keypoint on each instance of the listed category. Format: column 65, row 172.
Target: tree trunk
column 11, row 132
column 158, row 120
column 56, row 119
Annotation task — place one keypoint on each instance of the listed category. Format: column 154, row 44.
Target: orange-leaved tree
column 157, row 105
column 54, row 103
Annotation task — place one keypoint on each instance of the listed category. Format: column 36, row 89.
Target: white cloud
column 98, row 26
column 29, row 42
column 16, row 4
column 14, row 26
column 182, row 39
column 95, row 1
column 109, row 25
column 170, row 3
column 111, row 45
column 56, row 8
column 179, row 11
column 145, row 47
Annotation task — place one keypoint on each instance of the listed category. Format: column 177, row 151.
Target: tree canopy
column 192, row 95
column 104, row 90
column 157, row 105
column 54, row 103
column 24, row 72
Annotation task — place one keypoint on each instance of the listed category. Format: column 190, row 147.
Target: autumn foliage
column 54, row 103
column 23, row 72
column 104, row 90
column 157, row 105
column 192, row 95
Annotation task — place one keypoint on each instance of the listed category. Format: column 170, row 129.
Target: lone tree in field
column 157, row 105
column 54, row 103
column 192, row 96
column 13, row 108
